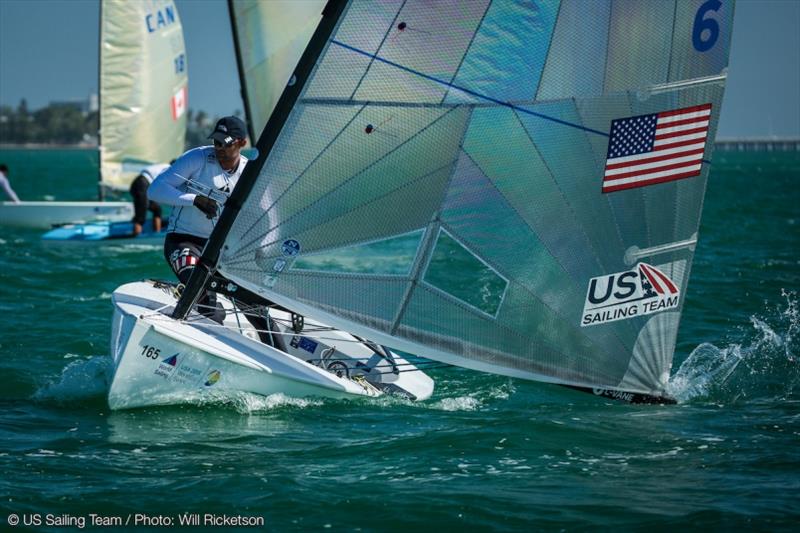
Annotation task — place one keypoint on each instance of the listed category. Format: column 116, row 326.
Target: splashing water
column 81, row 380
column 763, row 365
column 706, row 369
column 246, row 403
column 89, row 379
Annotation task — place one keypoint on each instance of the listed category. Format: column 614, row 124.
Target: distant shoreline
column 42, row 146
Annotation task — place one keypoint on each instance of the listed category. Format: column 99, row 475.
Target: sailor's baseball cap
column 228, row 129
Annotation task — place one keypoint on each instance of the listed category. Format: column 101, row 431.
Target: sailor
column 141, row 204
column 6, row 185
column 197, row 186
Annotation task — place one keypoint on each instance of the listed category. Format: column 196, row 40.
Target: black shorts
column 182, row 252
column 138, row 192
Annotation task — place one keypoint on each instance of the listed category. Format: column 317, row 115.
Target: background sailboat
column 143, row 99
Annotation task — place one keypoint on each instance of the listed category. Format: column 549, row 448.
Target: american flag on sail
column 655, row 148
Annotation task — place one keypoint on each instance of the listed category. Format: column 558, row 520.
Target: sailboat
column 514, row 188
column 143, row 99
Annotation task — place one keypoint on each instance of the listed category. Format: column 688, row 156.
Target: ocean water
column 484, row 453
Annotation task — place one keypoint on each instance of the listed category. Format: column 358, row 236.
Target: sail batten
column 450, row 183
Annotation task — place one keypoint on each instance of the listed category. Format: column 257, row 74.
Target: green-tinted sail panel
column 272, row 36
column 393, row 256
column 577, row 59
column 490, row 65
column 342, row 72
column 143, row 87
column 430, row 40
column 526, row 264
column 457, row 271
column 639, row 41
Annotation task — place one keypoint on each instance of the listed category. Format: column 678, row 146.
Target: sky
column 48, row 52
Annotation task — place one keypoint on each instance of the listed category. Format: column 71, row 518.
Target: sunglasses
column 219, row 144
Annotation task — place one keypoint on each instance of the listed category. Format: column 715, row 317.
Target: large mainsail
column 143, row 87
column 513, row 187
column 269, row 38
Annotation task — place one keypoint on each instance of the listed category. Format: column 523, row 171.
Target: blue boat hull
column 101, row 231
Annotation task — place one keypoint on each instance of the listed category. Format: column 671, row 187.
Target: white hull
column 161, row 361
column 45, row 215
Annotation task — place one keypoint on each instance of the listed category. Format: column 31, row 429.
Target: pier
column 759, row 144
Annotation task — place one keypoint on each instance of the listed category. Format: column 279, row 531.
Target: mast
column 100, row 192
column 208, row 261
column 248, row 120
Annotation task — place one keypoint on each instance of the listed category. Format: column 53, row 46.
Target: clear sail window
column 462, row 274
column 393, row 256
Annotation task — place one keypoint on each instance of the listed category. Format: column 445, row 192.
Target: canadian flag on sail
column 178, row 103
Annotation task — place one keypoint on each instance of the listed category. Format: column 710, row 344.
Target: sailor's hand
column 207, row 205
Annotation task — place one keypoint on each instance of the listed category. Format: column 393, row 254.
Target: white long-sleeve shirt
column 7, row 188
column 195, row 172
column 151, row 172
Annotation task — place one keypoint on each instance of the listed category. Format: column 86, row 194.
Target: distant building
column 85, row 106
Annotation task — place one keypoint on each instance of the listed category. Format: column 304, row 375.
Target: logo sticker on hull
column 212, row 378
column 644, row 290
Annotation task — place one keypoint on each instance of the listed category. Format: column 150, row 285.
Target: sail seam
column 374, row 163
column 533, row 231
column 597, row 161
column 383, row 41
column 427, row 242
column 672, row 41
column 516, row 333
column 518, row 363
column 300, row 176
column 468, row 91
column 466, row 51
column 549, row 48
column 642, row 191
column 323, row 101
column 291, row 273
column 421, row 261
column 608, row 47
column 561, row 192
column 241, row 251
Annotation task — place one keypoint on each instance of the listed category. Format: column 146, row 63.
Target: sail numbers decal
column 644, row 290
column 705, row 31
column 179, row 368
column 151, row 352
